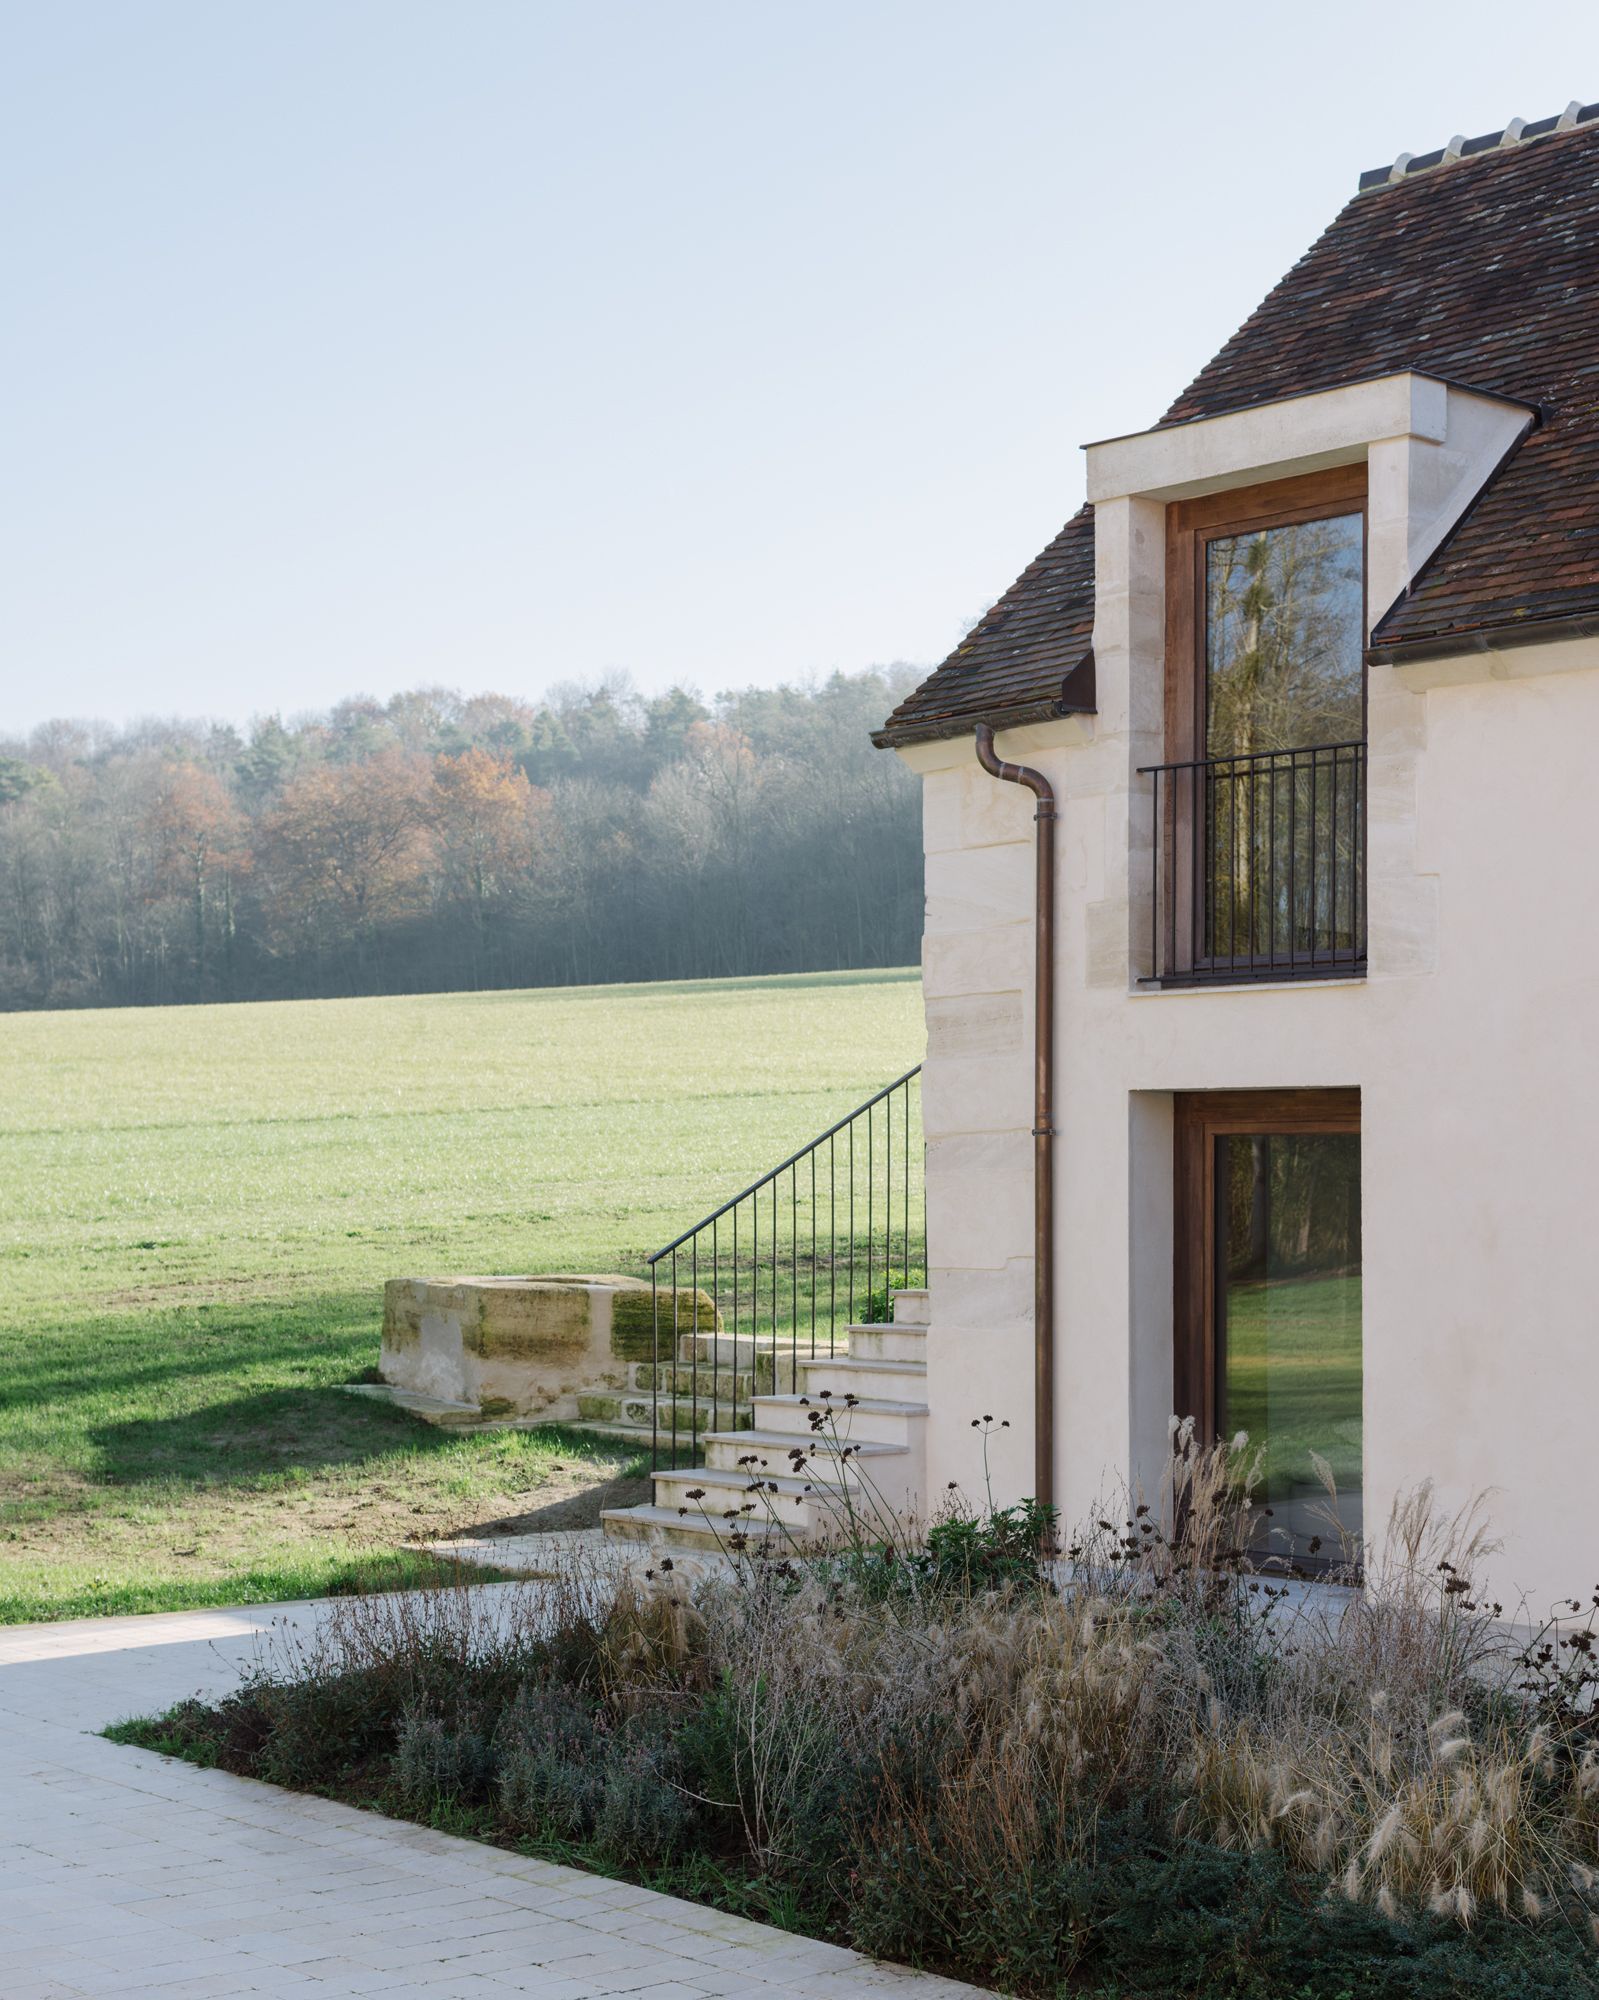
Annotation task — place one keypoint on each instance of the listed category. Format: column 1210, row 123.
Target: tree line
column 436, row 842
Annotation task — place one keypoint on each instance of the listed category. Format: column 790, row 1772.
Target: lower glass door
column 1268, row 1305
column 1287, row 1330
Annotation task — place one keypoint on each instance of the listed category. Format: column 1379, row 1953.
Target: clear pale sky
column 349, row 344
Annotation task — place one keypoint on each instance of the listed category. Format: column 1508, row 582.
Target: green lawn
column 198, row 1208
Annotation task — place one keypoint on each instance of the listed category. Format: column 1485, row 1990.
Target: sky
column 350, row 345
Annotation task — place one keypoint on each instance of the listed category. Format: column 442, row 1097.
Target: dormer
column 1427, row 447
column 1241, row 562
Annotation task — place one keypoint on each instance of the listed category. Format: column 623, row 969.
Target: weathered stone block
column 638, row 1322
column 525, row 1346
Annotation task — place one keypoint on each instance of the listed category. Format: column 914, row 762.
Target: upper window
column 1284, row 612
column 1266, row 617
column 1260, row 808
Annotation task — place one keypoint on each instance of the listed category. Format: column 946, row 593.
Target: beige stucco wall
column 1472, row 1042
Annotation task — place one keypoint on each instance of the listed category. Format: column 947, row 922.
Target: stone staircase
column 770, row 1476
column 713, row 1377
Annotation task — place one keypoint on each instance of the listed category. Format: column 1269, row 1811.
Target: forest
column 441, row 842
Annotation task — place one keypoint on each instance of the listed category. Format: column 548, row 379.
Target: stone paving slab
column 135, row 1875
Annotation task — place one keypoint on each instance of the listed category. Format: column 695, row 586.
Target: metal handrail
column 783, row 1166
column 774, row 1259
column 1254, row 756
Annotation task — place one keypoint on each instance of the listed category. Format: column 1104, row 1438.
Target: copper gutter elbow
column 1043, row 1109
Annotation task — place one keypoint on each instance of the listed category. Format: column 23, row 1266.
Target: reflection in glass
column 1284, row 638
column 1288, row 1327
column 1284, row 810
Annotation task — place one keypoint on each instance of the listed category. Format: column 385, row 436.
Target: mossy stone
column 635, row 1316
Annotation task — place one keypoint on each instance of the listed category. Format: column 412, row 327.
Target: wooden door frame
column 1190, row 526
column 1200, row 1117
column 1241, row 510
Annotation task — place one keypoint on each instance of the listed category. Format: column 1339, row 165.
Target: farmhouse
column 1261, row 957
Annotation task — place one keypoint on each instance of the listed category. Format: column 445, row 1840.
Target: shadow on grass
column 251, row 1437
column 630, row 1488
column 261, row 1436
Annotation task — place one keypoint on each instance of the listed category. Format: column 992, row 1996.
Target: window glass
column 1288, row 1327
column 1284, row 637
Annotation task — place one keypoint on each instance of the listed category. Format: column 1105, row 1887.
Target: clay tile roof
column 1478, row 263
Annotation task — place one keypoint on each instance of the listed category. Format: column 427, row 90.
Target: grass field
column 198, row 1208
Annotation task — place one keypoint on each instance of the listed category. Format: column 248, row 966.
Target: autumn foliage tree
column 439, row 840
column 199, row 845
column 488, row 816
column 348, row 847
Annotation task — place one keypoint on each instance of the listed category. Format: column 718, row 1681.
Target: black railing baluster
column 675, row 1324
column 906, row 1239
column 1272, row 869
column 1332, row 859
column 1315, row 766
column 813, row 1258
column 832, row 1230
column 1293, row 862
column 1360, row 860
column 1201, row 845
column 655, row 1368
column 1156, row 839
column 871, row 1191
column 852, row 1222
column 774, row 1269
column 1232, row 885
column 888, row 1193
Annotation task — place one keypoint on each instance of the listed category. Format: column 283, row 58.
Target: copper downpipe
column 1043, row 1110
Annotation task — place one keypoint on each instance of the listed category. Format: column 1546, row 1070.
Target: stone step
column 770, row 1364
column 868, row 1420
column 634, row 1434
column 731, row 1499
column 855, row 1375
column 771, row 1451
column 912, row 1306
column 888, row 1343
column 730, row 1485
column 684, row 1378
column 640, row 1412
column 665, row 1528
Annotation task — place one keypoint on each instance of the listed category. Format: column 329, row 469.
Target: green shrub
column 435, row 1765
column 645, row 1815
column 1001, row 1550
column 549, row 1748
column 317, row 1730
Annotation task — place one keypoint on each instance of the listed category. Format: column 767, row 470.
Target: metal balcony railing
column 1258, row 866
column 778, row 1273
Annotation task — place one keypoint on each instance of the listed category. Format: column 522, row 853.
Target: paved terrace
column 131, row 1874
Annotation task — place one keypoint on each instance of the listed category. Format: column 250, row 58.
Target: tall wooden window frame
column 1201, row 1117
column 1243, row 510
column 1191, row 525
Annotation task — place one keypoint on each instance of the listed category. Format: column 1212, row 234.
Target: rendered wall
column 1472, row 1042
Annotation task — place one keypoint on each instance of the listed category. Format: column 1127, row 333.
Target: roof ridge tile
column 1515, row 132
